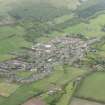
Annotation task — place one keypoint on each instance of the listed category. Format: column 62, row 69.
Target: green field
column 25, row 74
column 77, row 101
column 93, row 87
column 11, row 40
column 91, row 29
column 7, row 89
column 65, row 99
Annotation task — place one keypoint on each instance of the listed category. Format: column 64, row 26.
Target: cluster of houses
column 43, row 56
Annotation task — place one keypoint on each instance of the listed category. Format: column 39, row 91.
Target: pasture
column 7, row 89
column 93, row 87
column 77, row 101
column 93, row 27
column 11, row 39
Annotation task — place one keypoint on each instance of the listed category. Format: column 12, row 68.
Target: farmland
column 11, row 40
column 41, row 86
column 42, row 37
column 83, row 102
column 7, row 89
column 90, row 89
column 92, row 29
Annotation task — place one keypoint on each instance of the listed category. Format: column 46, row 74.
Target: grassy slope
column 11, row 39
column 91, row 29
column 29, row 10
column 24, row 92
column 59, row 3
column 13, row 6
column 17, row 41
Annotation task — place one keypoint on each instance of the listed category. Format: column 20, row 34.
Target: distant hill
column 46, row 9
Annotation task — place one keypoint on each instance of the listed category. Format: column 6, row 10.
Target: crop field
column 93, row 87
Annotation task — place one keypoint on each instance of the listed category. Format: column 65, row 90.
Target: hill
column 36, row 8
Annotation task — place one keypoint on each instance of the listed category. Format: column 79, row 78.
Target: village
column 42, row 57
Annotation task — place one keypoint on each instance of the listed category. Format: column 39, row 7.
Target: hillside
column 35, row 20
column 52, row 52
column 36, row 8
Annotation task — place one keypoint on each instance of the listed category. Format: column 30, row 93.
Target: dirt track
column 83, row 102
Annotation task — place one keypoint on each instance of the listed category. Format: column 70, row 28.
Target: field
column 11, row 39
column 77, row 101
column 7, row 89
column 41, row 22
column 91, row 29
column 93, row 87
